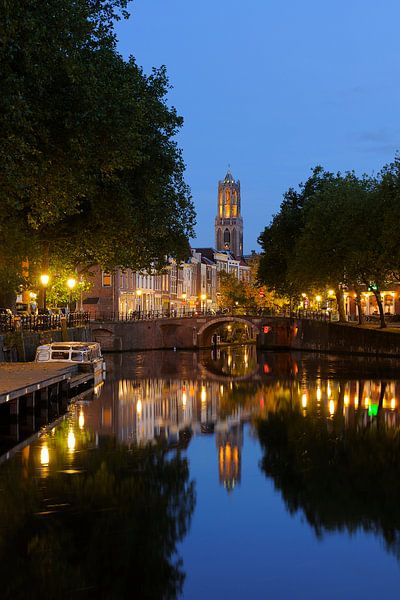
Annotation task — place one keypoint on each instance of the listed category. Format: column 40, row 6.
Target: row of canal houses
column 190, row 285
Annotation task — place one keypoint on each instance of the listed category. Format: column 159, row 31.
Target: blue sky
column 272, row 87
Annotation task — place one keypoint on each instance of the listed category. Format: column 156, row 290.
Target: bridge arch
column 206, row 330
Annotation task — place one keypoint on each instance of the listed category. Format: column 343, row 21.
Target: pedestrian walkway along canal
column 215, row 475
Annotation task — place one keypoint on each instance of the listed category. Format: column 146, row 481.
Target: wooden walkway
column 20, row 379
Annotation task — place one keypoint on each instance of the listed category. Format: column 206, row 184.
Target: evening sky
column 273, row 88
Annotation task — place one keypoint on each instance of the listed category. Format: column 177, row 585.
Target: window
column 43, row 355
column 59, row 355
column 106, row 279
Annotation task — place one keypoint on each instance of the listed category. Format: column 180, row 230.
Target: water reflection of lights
column 221, row 390
column 184, row 398
column 319, row 394
column 44, row 455
column 393, row 403
column 71, row 441
column 228, row 452
column 304, row 400
column 97, row 388
column 346, row 399
column 355, row 401
column 81, row 419
column 229, row 360
column 328, row 391
column 331, row 407
column 366, row 402
column 203, row 394
column 139, row 407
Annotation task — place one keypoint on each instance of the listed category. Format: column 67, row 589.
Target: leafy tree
column 232, row 291
column 331, row 234
column 91, row 171
column 326, row 253
column 278, row 240
column 388, row 197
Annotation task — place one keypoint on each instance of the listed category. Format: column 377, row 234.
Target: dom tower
column 228, row 222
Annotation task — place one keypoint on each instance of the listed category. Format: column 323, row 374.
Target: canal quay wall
column 270, row 332
column 320, row 336
column 21, row 345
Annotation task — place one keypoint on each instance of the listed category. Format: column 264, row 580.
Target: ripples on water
column 215, row 475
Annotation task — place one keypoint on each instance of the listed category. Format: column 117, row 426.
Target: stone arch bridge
column 180, row 333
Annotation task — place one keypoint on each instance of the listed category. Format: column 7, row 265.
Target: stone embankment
column 21, row 345
column 336, row 338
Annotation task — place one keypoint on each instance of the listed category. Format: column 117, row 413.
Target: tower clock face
column 227, row 246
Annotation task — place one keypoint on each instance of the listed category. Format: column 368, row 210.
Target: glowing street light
column 44, row 280
column 71, row 283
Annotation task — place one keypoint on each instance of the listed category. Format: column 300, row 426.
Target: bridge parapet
column 168, row 332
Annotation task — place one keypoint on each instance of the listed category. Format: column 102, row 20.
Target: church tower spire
column 229, row 222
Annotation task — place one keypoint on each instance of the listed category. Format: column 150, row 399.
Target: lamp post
column 44, row 280
column 139, row 294
column 71, row 283
column 184, row 302
column 203, row 300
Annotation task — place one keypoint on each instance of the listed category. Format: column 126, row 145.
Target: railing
column 42, row 322
column 182, row 313
column 6, row 323
column 142, row 315
column 315, row 315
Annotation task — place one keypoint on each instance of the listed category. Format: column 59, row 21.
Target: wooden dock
column 32, row 395
column 32, row 382
column 21, row 379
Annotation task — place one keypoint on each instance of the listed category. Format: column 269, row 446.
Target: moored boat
column 87, row 355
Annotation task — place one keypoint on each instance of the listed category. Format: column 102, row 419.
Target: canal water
column 216, row 475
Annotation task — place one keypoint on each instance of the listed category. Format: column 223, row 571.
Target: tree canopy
column 337, row 231
column 91, row 172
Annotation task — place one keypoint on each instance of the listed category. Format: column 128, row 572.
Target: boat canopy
column 76, row 352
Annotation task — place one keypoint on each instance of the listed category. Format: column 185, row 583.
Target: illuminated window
column 106, row 279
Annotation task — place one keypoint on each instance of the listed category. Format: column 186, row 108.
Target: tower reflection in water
column 224, row 389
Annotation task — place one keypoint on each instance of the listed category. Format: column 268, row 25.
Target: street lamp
column 203, row 299
column 71, row 283
column 44, row 280
column 138, row 294
column 184, row 301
